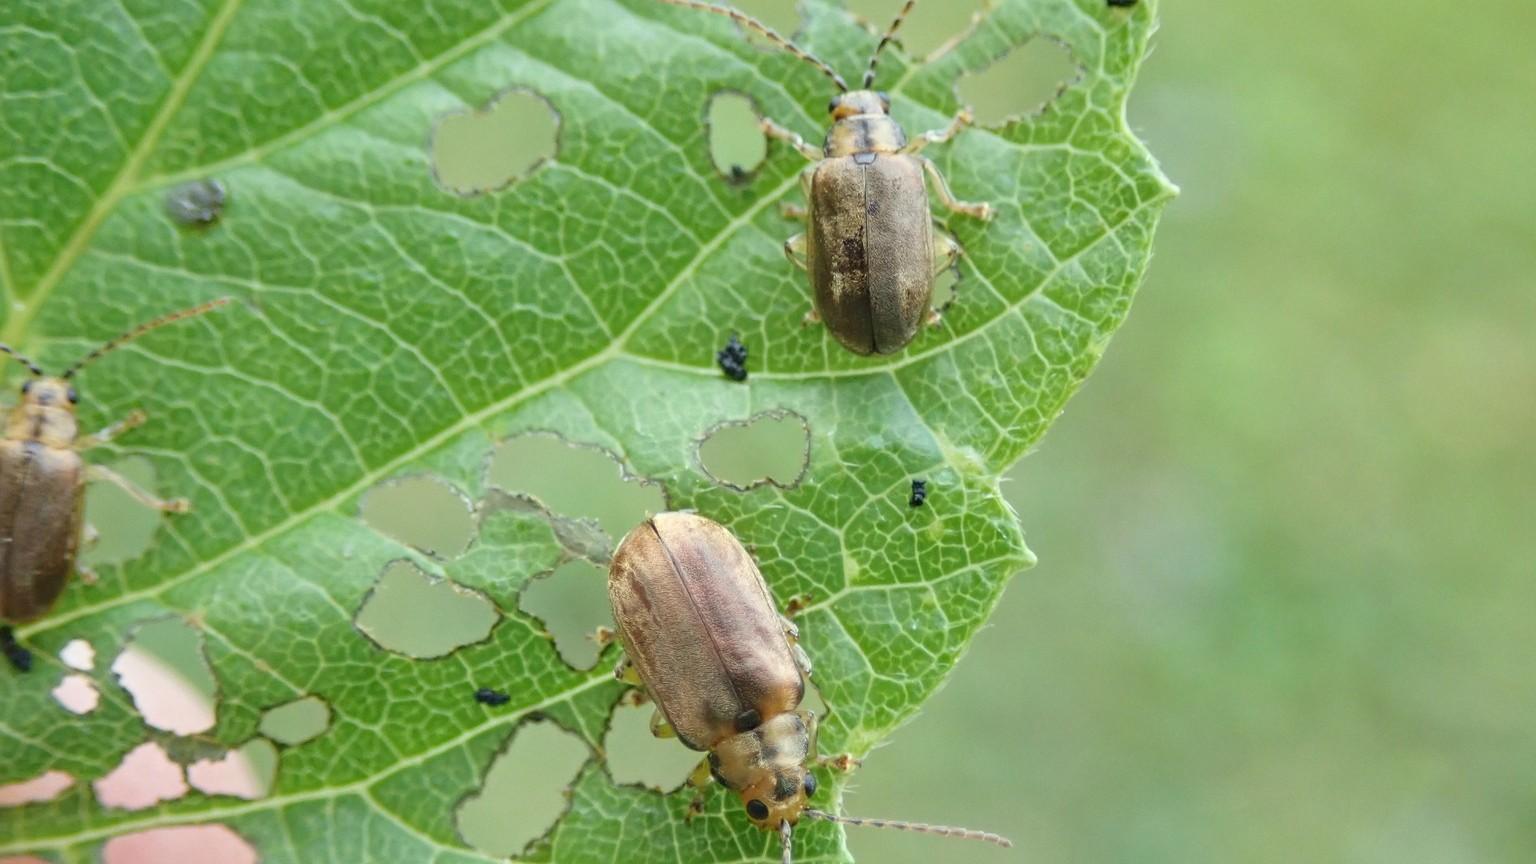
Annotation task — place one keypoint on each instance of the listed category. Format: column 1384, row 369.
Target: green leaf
column 386, row 327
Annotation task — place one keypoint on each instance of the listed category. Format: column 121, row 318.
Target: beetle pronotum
column 701, row 635
column 869, row 240
column 43, row 477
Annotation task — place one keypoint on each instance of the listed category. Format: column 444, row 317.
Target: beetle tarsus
column 794, row 250
column 793, row 211
column 811, row 317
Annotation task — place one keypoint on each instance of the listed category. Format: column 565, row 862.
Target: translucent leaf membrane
column 386, row 327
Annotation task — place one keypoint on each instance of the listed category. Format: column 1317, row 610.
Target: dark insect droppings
column 197, row 204
column 919, row 493
column 20, row 657
column 487, row 696
column 1121, row 2
column 733, row 359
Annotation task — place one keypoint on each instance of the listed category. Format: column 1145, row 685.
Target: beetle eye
column 757, row 810
column 26, row 387
column 72, row 396
column 810, row 785
column 831, row 106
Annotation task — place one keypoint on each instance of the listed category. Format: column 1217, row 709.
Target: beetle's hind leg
column 980, row 210
column 174, row 505
column 774, row 130
column 134, row 420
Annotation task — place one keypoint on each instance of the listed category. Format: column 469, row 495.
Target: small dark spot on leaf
column 487, row 696
column 733, row 359
column 919, row 493
column 1125, row 3
column 197, row 204
column 20, row 657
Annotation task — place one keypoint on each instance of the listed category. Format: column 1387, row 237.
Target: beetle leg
column 133, row 420
column 811, row 317
column 174, row 505
column 794, row 250
column 790, row 628
column 626, row 673
column 86, row 574
column 935, row 318
column 793, row 211
column 660, row 727
column 774, row 130
column 939, row 136
column 981, row 211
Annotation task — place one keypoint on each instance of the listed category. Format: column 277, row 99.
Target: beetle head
column 778, row 796
column 859, row 102
column 46, row 413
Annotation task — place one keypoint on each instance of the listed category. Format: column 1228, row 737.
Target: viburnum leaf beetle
column 43, row 477
column 869, row 241
column 702, row 636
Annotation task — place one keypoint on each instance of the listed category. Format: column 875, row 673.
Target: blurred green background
column 1286, row 602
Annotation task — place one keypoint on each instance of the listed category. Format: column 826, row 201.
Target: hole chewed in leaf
column 245, row 772
column 164, row 670
column 204, row 844
column 782, row 16
column 125, row 528
column 575, row 481
column 736, row 143
column 636, row 756
column 38, row 790
column 422, row 512
column 144, row 778
column 928, row 25
column 1022, row 82
column 523, row 792
column 78, row 654
column 418, row 615
column 78, row 694
column 572, row 603
column 298, row 721
column 474, row 152
column 772, row 447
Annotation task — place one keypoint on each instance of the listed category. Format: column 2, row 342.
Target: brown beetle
column 43, row 477
column 869, row 242
column 701, row 634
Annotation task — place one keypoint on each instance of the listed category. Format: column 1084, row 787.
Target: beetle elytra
column 43, row 477
column 703, row 638
column 869, row 244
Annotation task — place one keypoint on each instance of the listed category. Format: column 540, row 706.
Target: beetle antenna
column 140, row 330
column 786, row 837
column 767, row 32
column 942, row 830
column 22, row 359
column 890, row 33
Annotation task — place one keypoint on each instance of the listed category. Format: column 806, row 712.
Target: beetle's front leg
column 774, row 130
column 794, row 250
column 699, row 780
column 174, row 505
column 134, row 420
column 939, row 136
column 660, row 727
column 792, row 635
column 982, row 210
